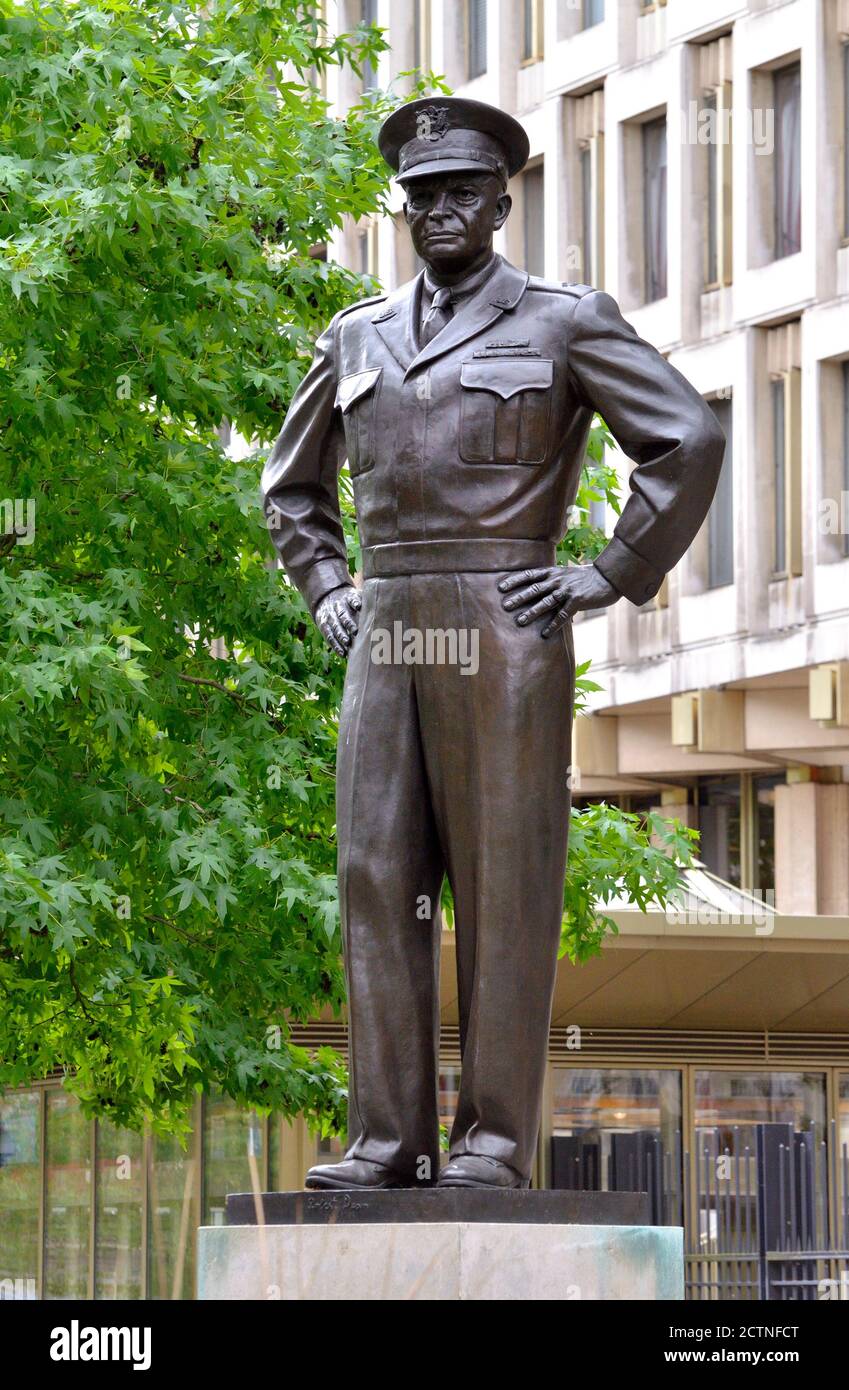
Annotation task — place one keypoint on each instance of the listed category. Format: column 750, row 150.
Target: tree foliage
column 167, row 714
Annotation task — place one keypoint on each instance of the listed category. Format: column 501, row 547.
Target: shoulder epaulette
column 559, row 287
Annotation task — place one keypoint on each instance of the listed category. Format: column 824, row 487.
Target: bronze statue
column 462, row 402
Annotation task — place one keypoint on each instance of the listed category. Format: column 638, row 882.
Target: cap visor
column 444, row 166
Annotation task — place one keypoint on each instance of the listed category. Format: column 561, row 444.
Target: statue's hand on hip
column 336, row 620
column 555, row 594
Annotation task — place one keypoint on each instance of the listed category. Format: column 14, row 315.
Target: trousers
column 453, row 759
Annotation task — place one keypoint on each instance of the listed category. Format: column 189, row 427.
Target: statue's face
column 452, row 217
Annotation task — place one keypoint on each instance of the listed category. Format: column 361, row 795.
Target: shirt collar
column 465, row 287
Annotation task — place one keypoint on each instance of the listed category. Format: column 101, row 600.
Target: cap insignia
column 432, row 123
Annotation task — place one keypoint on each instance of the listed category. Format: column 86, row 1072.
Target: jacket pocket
column 505, row 408
column 356, row 396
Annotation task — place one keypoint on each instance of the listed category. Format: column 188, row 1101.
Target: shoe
column 476, row 1170
column 355, row 1174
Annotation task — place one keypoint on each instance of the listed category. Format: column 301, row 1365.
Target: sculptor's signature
column 341, row 1205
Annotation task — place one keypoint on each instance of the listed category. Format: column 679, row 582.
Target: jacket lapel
column 501, row 291
column 395, row 321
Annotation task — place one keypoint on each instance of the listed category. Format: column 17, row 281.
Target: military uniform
column 466, row 454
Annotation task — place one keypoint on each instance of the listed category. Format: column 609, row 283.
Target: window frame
column 655, row 287
column 470, row 29
column 782, row 245
column 785, row 425
column 533, row 32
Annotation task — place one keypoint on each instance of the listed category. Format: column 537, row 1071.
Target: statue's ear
column 502, row 210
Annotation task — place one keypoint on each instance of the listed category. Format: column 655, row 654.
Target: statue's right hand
column 335, row 617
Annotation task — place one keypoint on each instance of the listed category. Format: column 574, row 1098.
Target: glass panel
column 764, row 805
column 586, row 158
column 528, row 45
column 119, row 1193
column 619, row 1130
column 760, row 1178
column 172, row 1217
column 20, row 1183
column 368, row 15
column 712, row 156
column 654, row 208
column 844, row 507
column 421, row 37
column 226, row 1165
column 598, row 513
column 843, row 1112
column 719, row 826
column 68, row 1198
column 534, row 200
column 846, row 139
column 593, row 13
column 779, row 475
column 735, row 1101
column 477, row 37
column 449, row 1090
column 788, row 161
column 721, row 514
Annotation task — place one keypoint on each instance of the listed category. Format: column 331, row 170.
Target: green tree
column 167, row 714
column 167, row 711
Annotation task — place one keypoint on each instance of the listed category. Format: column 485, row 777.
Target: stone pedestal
column 460, row 1244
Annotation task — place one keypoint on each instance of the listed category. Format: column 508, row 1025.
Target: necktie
column 439, row 313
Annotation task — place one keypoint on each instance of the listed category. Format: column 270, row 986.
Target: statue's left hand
column 556, row 594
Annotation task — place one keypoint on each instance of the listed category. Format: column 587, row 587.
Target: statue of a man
column 462, row 402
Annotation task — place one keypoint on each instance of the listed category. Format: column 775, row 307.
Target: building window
column 533, row 188
column 721, row 514
column 719, row 803
column 67, row 1216
column 783, row 358
column 119, row 1203
column 619, row 1130
column 787, row 100
column 654, row 209
column 592, row 14
column 368, row 15
column 785, row 394
column 227, row 1151
column 728, row 1099
column 475, row 38
column 846, row 140
column 779, row 477
column 843, row 509
column 421, row 36
column 715, row 66
column 589, row 131
column 20, row 1192
column 763, row 829
column 533, row 44
column 367, row 249
column 586, row 160
column 172, row 1216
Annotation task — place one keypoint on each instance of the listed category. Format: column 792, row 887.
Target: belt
column 447, row 557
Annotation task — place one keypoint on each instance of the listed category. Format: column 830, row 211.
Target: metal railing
column 765, row 1209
